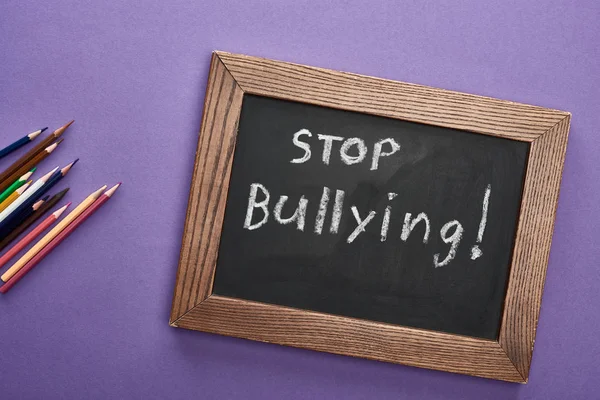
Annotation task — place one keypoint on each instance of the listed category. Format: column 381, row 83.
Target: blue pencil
column 16, row 220
column 20, row 143
column 9, row 222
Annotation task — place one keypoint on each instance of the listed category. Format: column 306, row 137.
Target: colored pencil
column 52, row 234
column 58, row 239
column 35, row 160
column 21, row 142
column 10, row 225
column 54, row 179
column 28, row 193
column 30, row 217
column 17, row 184
column 14, row 196
column 31, row 236
column 27, row 157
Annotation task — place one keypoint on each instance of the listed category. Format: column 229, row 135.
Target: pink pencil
column 32, row 235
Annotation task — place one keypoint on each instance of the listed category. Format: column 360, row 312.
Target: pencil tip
column 63, row 128
column 43, row 130
column 32, row 170
column 60, row 195
column 98, row 192
column 66, row 169
column 23, row 188
column 26, row 176
column 36, row 206
column 35, row 134
column 49, row 174
column 112, row 190
column 61, row 210
column 51, row 148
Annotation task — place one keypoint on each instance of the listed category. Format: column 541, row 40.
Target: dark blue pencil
column 16, row 214
column 57, row 176
column 17, row 219
column 20, row 143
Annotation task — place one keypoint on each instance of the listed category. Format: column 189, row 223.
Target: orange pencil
column 30, row 237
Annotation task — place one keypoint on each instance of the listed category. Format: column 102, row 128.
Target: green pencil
column 18, row 183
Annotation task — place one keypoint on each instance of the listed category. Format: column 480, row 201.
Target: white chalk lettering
column 377, row 153
column 304, row 146
column 337, row 211
column 475, row 250
column 362, row 224
column 360, row 146
column 385, row 224
column 409, row 225
column 299, row 215
column 320, row 220
column 327, row 145
column 454, row 239
column 252, row 204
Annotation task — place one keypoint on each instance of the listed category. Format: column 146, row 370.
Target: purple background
column 91, row 321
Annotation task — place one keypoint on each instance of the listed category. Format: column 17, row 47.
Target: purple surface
column 91, row 321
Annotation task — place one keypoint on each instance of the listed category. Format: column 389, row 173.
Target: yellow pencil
column 14, row 196
column 52, row 234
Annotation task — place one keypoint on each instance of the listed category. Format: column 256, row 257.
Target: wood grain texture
column 532, row 245
column 210, row 181
column 354, row 337
column 392, row 99
column 194, row 307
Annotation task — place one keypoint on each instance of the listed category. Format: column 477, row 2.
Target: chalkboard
column 305, row 177
column 368, row 217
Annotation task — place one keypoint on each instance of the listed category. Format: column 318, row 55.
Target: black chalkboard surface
column 368, row 217
column 459, row 192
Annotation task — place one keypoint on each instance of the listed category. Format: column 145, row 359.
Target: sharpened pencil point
column 49, row 174
column 35, row 134
column 98, row 192
column 32, row 170
column 61, row 210
column 23, row 188
column 62, row 129
column 26, row 176
column 112, row 190
column 38, row 204
column 51, row 148
column 43, row 129
column 66, row 169
column 61, row 194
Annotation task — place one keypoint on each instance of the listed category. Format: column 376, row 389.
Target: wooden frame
column 194, row 306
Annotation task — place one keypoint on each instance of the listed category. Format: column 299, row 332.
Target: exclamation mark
column 475, row 250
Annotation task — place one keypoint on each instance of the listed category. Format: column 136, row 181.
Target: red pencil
column 32, row 235
column 58, row 239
